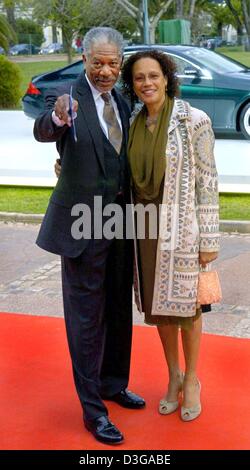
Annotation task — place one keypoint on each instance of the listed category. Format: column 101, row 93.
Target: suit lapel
column 88, row 109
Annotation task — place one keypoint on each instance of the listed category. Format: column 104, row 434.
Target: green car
column 209, row 81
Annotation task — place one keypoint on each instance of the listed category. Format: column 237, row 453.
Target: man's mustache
column 104, row 80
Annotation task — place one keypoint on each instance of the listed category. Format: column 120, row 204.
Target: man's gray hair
column 102, row 35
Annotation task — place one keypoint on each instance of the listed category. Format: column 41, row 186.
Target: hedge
column 10, row 83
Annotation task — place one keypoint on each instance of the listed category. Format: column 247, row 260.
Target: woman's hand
column 58, row 167
column 206, row 257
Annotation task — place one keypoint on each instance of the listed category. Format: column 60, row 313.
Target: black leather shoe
column 128, row 399
column 103, row 430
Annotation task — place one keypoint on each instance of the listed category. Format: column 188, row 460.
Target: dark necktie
column 109, row 116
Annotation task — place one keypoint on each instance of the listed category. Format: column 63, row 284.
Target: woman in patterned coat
column 174, row 176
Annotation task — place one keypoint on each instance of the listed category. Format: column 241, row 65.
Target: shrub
column 10, row 82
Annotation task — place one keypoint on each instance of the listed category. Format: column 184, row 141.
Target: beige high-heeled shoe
column 166, row 407
column 188, row 414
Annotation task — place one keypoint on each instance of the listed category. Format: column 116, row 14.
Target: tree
column 7, row 34
column 108, row 13
column 221, row 17
column 75, row 17
column 185, row 9
column 65, row 14
column 240, row 10
column 29, row 32
column 9, row 7
column 222, row 13
column 157, row 9
column 236, row 13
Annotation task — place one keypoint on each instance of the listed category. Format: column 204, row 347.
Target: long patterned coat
column 189, row 220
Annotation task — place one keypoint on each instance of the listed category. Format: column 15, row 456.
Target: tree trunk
column 219, row 29
column 239, row 35
column 179, row 8
column 237, row 19
column 140, row 23
column 246, row 15
column 54, row 33
column 141, row 31
column 191, row 9
column 69, row 54
column 10, row 11
column 152, row 34
column 67, row 42
column 68, row 49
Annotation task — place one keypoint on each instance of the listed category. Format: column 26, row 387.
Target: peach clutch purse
column 209, row 288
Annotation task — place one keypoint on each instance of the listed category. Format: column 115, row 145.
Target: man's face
column 102, row 66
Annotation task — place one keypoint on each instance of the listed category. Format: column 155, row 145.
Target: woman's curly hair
column 166, row 63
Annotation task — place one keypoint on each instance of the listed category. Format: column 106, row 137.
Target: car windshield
column 215, row 62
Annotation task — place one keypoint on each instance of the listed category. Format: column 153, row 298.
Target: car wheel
column 245, row 121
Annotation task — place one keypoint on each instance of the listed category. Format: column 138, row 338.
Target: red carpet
column 40, row 409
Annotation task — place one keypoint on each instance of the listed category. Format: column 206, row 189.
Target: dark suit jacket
column 83, row 174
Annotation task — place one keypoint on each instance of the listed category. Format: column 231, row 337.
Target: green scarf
column 146, row 151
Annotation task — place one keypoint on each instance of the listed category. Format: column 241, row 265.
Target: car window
column 182, row 64
column 75, row 69
column 127, row 55
column 215, row 62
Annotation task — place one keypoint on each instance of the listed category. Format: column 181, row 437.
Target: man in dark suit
column 96, row 271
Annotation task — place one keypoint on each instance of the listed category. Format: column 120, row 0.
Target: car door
column 197, row 85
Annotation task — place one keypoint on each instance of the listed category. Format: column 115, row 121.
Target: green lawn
column 240, row 56
column 35, row 200
column 30, row 69
column 234, row 206
column 26, row 200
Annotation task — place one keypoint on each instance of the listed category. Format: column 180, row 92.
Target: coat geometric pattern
column 189, row 216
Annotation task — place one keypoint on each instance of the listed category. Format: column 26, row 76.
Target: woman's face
column 149, row 82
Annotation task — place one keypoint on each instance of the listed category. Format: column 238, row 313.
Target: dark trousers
column 97, row 295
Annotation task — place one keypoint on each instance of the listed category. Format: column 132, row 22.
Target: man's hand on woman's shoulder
column 58, row 167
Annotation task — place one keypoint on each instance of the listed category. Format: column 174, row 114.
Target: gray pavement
column 30, row 280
